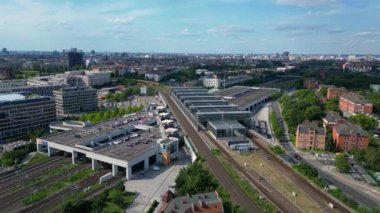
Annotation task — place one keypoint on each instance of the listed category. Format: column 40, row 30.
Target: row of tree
column 102, row 115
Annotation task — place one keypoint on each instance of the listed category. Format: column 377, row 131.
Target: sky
column 193, row 26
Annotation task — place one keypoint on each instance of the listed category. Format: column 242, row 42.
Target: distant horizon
column 204, row 26
column 205, row 53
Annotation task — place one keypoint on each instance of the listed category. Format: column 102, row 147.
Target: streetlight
column 295, row 198
column 261, row 168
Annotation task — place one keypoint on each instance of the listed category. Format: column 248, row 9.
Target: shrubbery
column 102, row 115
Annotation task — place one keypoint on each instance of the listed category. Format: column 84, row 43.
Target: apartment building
column 336, row 92
column 310, row 136
column 310, row 83
column 75, row 100
column 348, row 136
column 353, row 104
column 332, row 118
column 20, row 114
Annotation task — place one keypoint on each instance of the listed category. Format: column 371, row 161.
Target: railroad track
column 11, row 180
column 215, row 166
column 62, row 196
column 13, row 197
column 319, row 196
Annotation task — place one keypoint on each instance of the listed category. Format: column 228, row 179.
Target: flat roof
column 232, row 90
column 225, row 125
column 355, row 99
column 124, row 150
column 11, row 97
column 251, row 96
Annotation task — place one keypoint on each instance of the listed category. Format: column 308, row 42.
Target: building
column 310, row 136
column 349, row 136
column 96, row 78
column 75, row 100
column 20, row 114
column 14, row 145
column 335, row 92
column 74, row 59
column 247, row 98
column 332, row 118
column 12, row 83
column 128, row 145
column 310, row 83
column 357, row 67
column 205, row 203
column 353, row 104
column 215, row 82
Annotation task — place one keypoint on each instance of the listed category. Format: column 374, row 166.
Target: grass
column 277, row 150
column 56, row 187
column 215, row 152
column 264, row 205
column 342, row 197
column 38, row 157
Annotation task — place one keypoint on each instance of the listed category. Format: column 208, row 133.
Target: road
column 215, row 166
column 350, row 191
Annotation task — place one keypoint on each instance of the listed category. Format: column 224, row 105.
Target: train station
column 128, row 145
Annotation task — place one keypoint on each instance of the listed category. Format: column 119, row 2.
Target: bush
column 342, row 164
column 153, row 206
column 310, row 173
column 277, row 150
column 17, row 155
column 277, row 130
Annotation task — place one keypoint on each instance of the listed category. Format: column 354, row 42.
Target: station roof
column 117, row 147
column 225, row 125
column 11, row 97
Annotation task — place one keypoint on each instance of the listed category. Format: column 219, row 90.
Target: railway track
column 13, row 179
column 62, row 196
column 13, row 197
column 319, row 196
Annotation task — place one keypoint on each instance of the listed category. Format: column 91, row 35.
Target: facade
column 334, row 92
column 310, row 83
column 96, row 78
column 349, row 136
column 75, row 100
column 203, row 203
column 352, row 104
column 74, row 58
column 46, row 90
column 212, row 82
column 20, row 115
column 310, row 136
column 12, row 83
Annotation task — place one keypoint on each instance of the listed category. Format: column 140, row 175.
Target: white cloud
column 127, row 20
column 296, row 27
column 367, row 33
column 303, row 2
column 231, row 30
column 324, row 13
column 370, row 41
column 336, row 30
column 2, row 22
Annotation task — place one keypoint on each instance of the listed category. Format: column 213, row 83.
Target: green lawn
column 37, row 159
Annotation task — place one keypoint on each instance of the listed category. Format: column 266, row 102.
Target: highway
column 215, row 166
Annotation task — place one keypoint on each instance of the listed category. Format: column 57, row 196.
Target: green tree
column 359, row 155
column 313, row 113
column 332, row 105
column 330, row 146
column 323, row 91
column 342, row 163
column 373, row 158
column 365, row 121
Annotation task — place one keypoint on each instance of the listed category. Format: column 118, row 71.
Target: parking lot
column 154, row 184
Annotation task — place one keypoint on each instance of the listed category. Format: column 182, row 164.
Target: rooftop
column 108, row 138
column 307, row 126
column 332, row 116
column 350, row 129
column 226, row 125
column 355, row 99
column 11, row 97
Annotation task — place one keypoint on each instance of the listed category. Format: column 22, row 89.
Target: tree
column 330, row 146
column 313, row 113
column 332, row 105
column 373, row 158
column 365, row 121
column 359, row 155
column 342, row 163
column 323, row 91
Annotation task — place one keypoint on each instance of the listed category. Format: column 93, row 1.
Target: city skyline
column 209, row 26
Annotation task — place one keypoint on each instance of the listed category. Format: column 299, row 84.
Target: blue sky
column 193, row 26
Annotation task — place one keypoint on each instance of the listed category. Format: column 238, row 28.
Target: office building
column 75, row 100
column 20, row 114
column 310, row 136
column 74, row 59
column 353, row 104
column 349, row 136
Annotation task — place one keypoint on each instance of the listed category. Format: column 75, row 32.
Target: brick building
column 349, row 136
column 310, row 83
column 336, row 92
column 332, row 118
column 310, row 136
column 205, row 202
column 352, row 104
